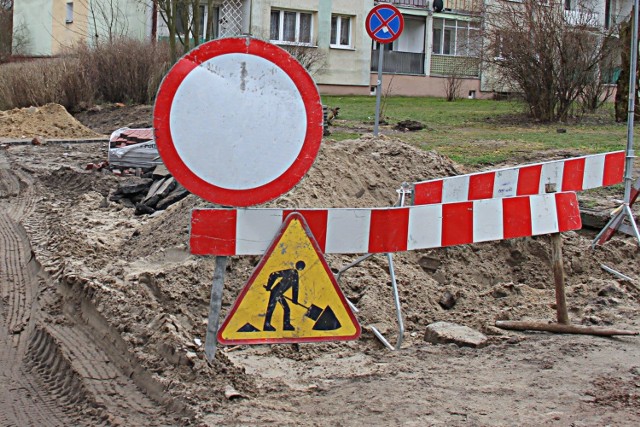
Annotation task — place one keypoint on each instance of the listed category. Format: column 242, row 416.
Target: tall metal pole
column 628, row 175
column 379, row 87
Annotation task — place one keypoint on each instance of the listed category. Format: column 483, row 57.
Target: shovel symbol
column 326, row 319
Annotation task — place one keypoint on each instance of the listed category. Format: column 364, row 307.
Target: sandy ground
column 102, row 312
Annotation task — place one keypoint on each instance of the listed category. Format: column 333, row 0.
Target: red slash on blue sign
column 384, row 23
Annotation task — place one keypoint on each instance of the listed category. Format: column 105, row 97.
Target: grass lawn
column 477, row 132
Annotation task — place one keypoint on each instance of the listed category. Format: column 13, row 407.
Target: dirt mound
column 131, row 282
column 49, row 121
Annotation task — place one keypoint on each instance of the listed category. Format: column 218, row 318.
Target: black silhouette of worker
column 289, row 279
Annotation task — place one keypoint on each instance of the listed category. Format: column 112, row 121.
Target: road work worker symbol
column 292, row 296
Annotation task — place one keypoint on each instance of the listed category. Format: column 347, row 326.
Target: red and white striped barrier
column 575, row 174
column 345, row 231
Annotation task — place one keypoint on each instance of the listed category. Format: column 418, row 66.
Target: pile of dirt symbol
column 104, row 312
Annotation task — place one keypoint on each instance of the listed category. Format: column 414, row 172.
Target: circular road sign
column 384, row 23
column 238, row 121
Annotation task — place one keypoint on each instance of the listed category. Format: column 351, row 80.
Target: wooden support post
column 558, row 278
column 560, row 328
column 558, row 270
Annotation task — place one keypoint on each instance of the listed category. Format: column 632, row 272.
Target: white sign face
column 238, row 121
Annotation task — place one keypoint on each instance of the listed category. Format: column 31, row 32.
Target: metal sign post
column 378, row 88
column 384, row 24
column 624, row 211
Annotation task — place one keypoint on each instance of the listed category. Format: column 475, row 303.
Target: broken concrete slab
column 176, row 195
column 134, row 185
column 154, row 189
column 161, row 171
column 452, row 333
column 167, row 187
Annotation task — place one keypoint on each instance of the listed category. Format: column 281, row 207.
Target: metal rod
column 628, row 174
column 353, row 264
column 215, row 303
column 616, row 273
column 378, row 88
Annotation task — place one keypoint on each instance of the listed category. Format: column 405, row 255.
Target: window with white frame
column 69, row 17
column 341, row 31
column 289, row 26
column 455, row 37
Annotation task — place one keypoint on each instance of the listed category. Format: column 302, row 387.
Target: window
column 69, row 18
column 457, row 38
column 291, row 27
column 340, row 31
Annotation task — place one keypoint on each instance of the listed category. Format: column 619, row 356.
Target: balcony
column 399, row 62
column 458, row 5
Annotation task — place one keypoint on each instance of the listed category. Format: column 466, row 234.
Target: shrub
column 59, row 80
column 124, row 70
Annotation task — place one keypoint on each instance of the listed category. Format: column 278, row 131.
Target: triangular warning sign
column 292, row 295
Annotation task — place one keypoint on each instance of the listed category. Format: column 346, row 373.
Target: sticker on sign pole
column 238, row 121
column 291, row 297
column 384, row 23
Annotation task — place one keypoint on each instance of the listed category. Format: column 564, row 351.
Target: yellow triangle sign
column 291, row 297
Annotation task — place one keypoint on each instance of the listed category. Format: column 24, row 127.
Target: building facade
column 439, row 42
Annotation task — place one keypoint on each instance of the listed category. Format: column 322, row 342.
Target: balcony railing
column 578, row 17
column 461, row 66
column 399, row 62
column 408, row 3
column 460, row 5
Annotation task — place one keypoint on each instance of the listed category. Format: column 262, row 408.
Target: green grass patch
column 478, row 132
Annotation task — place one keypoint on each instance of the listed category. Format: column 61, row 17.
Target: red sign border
column 288, row 340
column 223, row 196
column 368, row 21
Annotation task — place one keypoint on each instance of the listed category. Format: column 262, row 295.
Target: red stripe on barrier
column 573, row 175
column 457, row 223
column 568, row 212
column 529, row 180
column 389, row 230
column 613, row 168
column 427, row 193
column 516, row 217
column 317, row 222
column 213, row 232
column 481, row 186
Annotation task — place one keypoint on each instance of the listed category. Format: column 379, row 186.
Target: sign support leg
column 378, row 88
column 215, row 304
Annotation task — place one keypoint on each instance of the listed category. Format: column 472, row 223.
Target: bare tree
column 548, row 54
column 107, row 18
column 311, row 58
column 183, row 19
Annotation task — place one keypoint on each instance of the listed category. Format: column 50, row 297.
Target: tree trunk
column 622, row 93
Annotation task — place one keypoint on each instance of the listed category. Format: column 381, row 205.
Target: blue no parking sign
column 384, row 23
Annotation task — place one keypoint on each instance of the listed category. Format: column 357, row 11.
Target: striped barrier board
column 345, row 231
column 575, row 174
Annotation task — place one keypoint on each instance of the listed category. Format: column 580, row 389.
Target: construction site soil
column 103, row 313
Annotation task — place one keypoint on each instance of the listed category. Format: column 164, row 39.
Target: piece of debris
column 37, row 141
column 409, row 125
column 447, row 300
column 332, row 113
column 447, row 333
column 231, row 393
column 133, row 148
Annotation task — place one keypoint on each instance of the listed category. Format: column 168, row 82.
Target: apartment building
column 437, row 43
column 48, row 27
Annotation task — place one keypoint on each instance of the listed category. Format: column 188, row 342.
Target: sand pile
column 48, row 121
